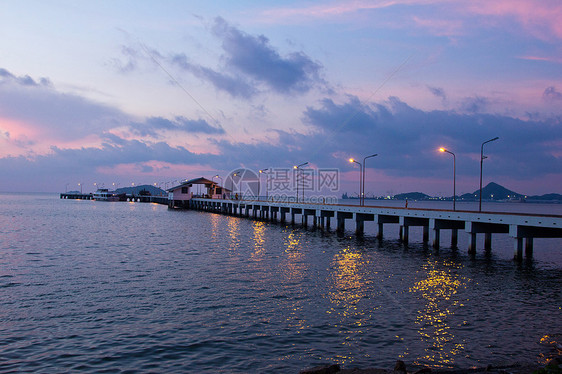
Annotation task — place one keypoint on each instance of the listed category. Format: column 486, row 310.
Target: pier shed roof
column 201, row 180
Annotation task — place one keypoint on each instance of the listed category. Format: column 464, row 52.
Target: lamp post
column 259, row 184
column 363, row 175
column 297, row 168
column 80, row 184
column 482, row 157
column 454, row 175
column 217, row 176
column 232, row 183
column 360, row 179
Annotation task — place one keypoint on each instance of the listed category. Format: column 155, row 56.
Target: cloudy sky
column 156, row 91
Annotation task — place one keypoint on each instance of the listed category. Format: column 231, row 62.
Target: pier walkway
column 522, row 227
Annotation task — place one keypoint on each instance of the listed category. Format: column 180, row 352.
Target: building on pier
column 180, row 195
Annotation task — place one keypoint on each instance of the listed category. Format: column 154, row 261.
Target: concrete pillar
column 283, row 216
column 518, row 249
column 359, row 227
column 328, row 223
column 304, row 220
column 529, row 246
column 405, row 234
column 454, row 238
column 401, row 233
column 471, row 242
column 488, row 241
column 435, row 233
column 380, row 233
column 292, row 218
column 341, row 224
column 425, row 234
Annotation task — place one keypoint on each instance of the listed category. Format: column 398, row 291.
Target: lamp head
column 295, row 167
column 351, row 160
column 442, row 149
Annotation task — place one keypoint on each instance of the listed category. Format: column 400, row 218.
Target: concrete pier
column 523, row 228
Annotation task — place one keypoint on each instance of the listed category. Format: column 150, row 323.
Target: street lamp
column 363, row 174
column 217, row 176
column 454, row 175
column 259, row 184
column 232, row 183
column 297, row 168
column 482, row 157
column 360, row 179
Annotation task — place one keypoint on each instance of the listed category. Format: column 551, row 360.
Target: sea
column 123, row 287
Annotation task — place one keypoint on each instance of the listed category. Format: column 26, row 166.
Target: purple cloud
column 59, row 115
column 235, row 85
column 551, row 94
column 256, row 58
column 153, row 125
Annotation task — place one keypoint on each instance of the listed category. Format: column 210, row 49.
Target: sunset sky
column 155, row 91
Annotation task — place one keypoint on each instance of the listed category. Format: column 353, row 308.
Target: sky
column 153, row 92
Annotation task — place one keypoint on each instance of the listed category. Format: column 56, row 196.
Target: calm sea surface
column 94, row 286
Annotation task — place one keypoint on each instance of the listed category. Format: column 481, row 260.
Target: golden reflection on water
column 350, row 287
column 214, row 226
column 258, row 240
column 233, row 228
column 294, row 269
column 438, row 290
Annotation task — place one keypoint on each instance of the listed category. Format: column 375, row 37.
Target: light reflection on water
column 438, row 290
column 94, row 286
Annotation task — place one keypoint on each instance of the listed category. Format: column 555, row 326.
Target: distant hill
column 547, row 197
column 493, row 191
column 136, row 190
column 411, row 196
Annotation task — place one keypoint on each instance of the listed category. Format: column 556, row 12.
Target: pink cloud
column 440, row 27
column 541, row 58
column 340, row 8
column 543, row 19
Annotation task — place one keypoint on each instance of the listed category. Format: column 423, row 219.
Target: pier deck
column 522, row 227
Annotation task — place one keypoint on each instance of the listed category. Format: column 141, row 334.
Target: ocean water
column 131, row 287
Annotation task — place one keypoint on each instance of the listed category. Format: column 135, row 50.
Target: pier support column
column 405, row 233
column 425, row 234
column 529, row 247
column 341, row 224
column 454, row 238
column 359, row 227
column 328, row 223
column 488, row 241
column 341, row 217
column 472, row 242
column 517, row 232
column 435, row 240
column 518, row 249
column 380, row 232
column 292, row 218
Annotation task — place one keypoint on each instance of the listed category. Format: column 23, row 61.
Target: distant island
column 142, row 190
column 492, row 192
